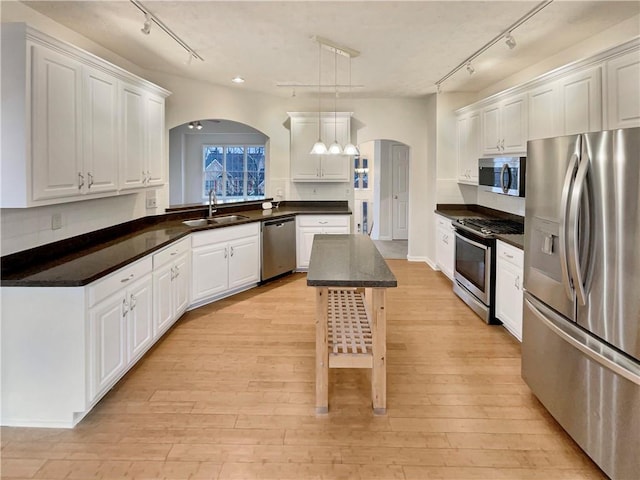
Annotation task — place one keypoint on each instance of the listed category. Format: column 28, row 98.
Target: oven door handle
column 472, row 242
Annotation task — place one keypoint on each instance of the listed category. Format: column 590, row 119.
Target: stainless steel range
column 475, row 258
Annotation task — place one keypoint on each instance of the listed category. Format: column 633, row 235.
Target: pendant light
column 335, row 148
column 350, row 148
column 319, row 148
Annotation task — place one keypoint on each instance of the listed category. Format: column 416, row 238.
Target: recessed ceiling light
column 238, row 80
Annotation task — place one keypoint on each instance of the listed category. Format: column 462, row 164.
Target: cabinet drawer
column 443, row 222
column 101, row 289
column 510, row 254
column 171, row 252
column 225, row 234
column 323, row 221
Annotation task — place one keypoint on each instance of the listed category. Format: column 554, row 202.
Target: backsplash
column 504, row 203
column 24, row 228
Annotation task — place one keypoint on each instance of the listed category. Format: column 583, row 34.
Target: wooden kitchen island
column 351, row 279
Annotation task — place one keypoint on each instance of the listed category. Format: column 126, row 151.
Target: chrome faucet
column 213, row 201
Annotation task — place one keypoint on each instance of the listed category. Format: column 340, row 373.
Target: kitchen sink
column 203, row 222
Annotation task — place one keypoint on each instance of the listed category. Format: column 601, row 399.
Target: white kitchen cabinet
column 57, row 124
column 70, row 115
column 307, row 167
column 307, row 226
column 469, row 132
column 142, row 134
column 543, row 111
column 509, row 279
column 101, row 135
column 445, row 245
column 171, row 282
column 580, row 102
column 504, row 126
column 224, row 261
column 622, row 93
column 120, row 326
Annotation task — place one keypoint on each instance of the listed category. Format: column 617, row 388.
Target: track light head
column 470, row 69
column 510, row 41
column 191, row 125
column 146, row 29
column 198, row 125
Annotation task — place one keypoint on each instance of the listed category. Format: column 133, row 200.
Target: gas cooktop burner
column 492, row 226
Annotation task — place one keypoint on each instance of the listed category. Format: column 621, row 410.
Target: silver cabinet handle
column 124, row 280
column 144, row 177
column 508, row 255
column 90, row 179
column 125, row 307
column 177, row 271
column 232, row 251
column 132, row 305
column 173, row 273
column 225, row 252
column 148, row 176
column 80, row 180
column 517, row 282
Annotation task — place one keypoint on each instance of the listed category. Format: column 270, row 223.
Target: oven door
column 473, row 265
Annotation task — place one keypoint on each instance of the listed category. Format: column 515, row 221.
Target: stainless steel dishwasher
column 278, row 247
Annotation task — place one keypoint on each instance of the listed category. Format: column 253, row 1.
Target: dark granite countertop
column 81, row 260
column 454, row 211
column 514, row 240
column 347, row 261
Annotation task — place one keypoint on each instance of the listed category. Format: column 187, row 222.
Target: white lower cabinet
column 445, row 245
column 120, row 326
column 224, row 261
column 509, row 296
column 307, row 226
column 171, row 281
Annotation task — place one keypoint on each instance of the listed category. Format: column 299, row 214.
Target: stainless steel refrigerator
column 581, row 326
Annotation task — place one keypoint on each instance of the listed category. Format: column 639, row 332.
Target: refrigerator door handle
column 580, row 340
column 564, row 205
column 580, row 185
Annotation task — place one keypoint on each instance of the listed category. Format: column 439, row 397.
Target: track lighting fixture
column 470, row 69
column 197, row 125
column 510, row 41
column 146, row 29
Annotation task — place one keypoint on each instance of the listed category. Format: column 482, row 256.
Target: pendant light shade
column 319, row 148
column 335, row 148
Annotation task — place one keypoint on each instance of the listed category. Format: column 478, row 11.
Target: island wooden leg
column 379, row 347
column 322, row 350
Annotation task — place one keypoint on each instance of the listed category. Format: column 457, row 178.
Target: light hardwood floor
column 228, row 393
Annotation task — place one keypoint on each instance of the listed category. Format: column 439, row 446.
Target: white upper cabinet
column 100, row 131
column 57, row 124
column 74, row 117
column 543, row 111
column 307, row 167
column 504, row 126
column 580, row 101
column 469, row 131
column 623, row 91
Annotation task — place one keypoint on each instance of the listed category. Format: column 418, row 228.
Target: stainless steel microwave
column 502, row 175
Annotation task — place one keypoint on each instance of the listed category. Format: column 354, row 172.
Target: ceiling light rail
column 505, row 34
column 150, row 17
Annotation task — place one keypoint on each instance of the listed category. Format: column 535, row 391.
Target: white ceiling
column 405, row 46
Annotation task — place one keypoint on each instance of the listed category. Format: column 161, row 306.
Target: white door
column 400, row 165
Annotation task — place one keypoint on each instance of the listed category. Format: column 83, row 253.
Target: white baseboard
column 411, row 258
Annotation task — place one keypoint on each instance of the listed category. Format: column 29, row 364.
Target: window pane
column 356, row 175
column 213, row 168
column 255, row 172
column 234, row 163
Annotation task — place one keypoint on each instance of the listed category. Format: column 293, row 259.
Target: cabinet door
column 140, row 318
column 155, row 140
column 509, row 297
column 244, row 262
column 473, row 146
column 335, row 168
column 305, row 242
column 513, row 125
column 209, row 271
column 580, row 102
column 107, row 326
column 445, row 246
column 57, row 125
column 304, row 133
column 132, row 138
column 623, row 94
column 462, row 132
column 491, row 130
column 181, row 280
column 162, row 298
column 100, row 125
column 543, row 112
